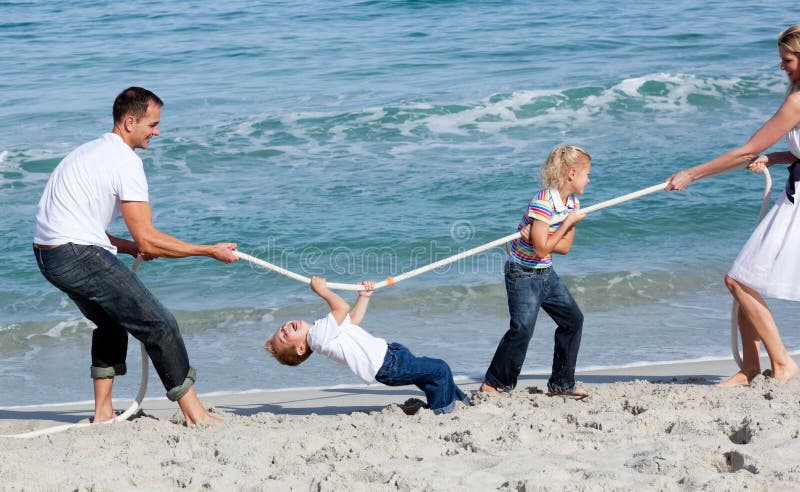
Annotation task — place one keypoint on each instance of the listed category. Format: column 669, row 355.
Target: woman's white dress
column 770, row 260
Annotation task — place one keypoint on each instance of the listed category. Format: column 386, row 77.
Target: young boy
column 338, row 337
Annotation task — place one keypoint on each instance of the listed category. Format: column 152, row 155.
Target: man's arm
column 124, row 246
column 360, row 307
column 150, row 241
column 339, row 306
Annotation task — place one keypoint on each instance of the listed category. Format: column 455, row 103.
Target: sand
column 650, row 428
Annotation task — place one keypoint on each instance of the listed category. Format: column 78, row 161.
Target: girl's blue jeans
column 433, row 376
column 528, row 290
column 110, row 295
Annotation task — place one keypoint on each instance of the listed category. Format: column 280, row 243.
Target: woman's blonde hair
column 790, row 40
column 555, row 171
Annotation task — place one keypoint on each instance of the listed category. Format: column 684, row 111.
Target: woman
column 769, row 263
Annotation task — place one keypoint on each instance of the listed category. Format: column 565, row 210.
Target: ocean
column 361, row 139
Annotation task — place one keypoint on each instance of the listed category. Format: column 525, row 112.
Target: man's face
column 146, row 127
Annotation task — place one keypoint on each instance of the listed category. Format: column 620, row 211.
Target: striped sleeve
column 540, row 209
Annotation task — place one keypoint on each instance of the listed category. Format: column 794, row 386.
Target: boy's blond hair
column 287, row 357
column 790, row 39
column 561, row 159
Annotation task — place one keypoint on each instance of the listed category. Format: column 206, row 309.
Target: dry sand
column 649, row 428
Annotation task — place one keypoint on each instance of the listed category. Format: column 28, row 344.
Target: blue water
column 362, row 139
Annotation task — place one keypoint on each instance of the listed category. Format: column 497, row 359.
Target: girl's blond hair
column 555, row 171
column 790, row 39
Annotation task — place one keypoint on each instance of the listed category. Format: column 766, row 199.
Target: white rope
column 511, row 237
column 445, row 261
column 135, row 406
column 735, row 307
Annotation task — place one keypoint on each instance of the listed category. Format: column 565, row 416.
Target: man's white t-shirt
column 348, row 344
column 82, row 197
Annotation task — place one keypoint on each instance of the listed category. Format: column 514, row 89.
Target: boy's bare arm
column 339, row 306
column 360, row 307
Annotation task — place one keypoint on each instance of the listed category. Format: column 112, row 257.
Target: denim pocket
column 62, row 261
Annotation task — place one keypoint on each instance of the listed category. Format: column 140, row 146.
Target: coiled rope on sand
column 131, row 411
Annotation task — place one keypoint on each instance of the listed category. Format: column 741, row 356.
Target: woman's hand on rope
column 759, row 164
column 679, row 181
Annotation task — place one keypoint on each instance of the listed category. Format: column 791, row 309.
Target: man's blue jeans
column 528, row 290
column 433, row 376
column 110, row 295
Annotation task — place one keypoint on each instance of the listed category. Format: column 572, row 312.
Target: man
column 89, row 188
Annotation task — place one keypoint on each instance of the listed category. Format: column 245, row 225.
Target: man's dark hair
column 134, row 101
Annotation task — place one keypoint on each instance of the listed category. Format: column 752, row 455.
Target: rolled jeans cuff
column 180, row 391
column 108, row 372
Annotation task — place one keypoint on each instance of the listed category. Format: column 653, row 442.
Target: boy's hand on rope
column 369, row 288
column 319, row 285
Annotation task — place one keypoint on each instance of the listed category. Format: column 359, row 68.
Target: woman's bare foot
column 741, row 378
column 489, row 389
column 783, row 374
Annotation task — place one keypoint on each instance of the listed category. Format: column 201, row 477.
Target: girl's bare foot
column 576, row 392
column 488, row 389
column 739, row 379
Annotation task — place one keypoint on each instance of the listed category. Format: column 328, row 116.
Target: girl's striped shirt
column 548, row 207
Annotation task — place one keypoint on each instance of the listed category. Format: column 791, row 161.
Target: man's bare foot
column 194, row 412
column 104, row 416
column 206, row 418
column 783, row 374
column 489, row 389
column 739, row 379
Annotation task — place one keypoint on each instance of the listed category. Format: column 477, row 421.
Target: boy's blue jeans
column 109, row 294
column 433, row 376
column 529, row 289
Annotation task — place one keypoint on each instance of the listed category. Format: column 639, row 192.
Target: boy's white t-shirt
column 82, row 196
column 348, row 344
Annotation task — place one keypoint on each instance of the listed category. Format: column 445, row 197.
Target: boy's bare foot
column 739, row 379
column 783, row 374
column 489, row 390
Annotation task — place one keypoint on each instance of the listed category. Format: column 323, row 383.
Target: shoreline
column 660, row 426
column 291, row 399
column 688, row 367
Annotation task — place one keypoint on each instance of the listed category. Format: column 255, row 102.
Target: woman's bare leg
column 753, row 307
column 751, row 354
